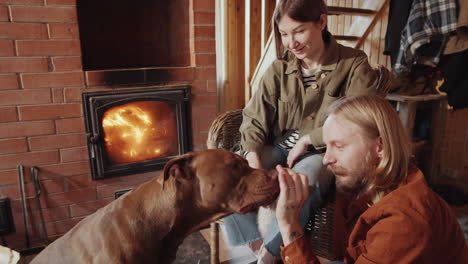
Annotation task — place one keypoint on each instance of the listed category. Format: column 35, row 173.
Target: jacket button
column 314, row 86
column 323, row 75
column 286, row 258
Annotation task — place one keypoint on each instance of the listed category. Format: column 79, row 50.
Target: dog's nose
column 273, row 174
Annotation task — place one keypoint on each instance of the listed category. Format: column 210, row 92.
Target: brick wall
column 41, row 120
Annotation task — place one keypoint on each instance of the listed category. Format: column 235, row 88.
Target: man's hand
column 254, row 160
column 294, row 191
column 299, row 148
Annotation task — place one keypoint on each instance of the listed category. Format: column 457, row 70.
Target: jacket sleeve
column 299, row 252
column 259, row 114
column 396, row 238
column 365, row 79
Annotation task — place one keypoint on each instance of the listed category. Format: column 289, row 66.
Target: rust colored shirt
column 411, row 224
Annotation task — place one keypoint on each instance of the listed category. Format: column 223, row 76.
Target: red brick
column 79, row 182
column 31, row 128
column 3, row 13
column 204, row 32
column 20, row 97
column 71, row 125
column 204, row 100
column 61, row 2
column 57, row 95
column 61, row 227
column 87, row 208
column 70, row 197
column 198, row 86
column 22, row 2
column 52, row 186
column 56, row 141
column 72, row 95
column 13, row 145
column 67, row 63
column 199, row 140
column 204, row 18
column 54, row 111
column 205, row 59
column 64, row 169
column 23, row 31
column 212, row 86
column 105, row 191
column 203, row 124
column 64, row 31
column 205, row 45
column 181, row 74
column 51, row 214
column 9, row 177
column 16, row 64
column 45, row 80
column 43, row 14
column 48, row 47
column 207, row 112
column 208, row 73
column 28, row 159
column 9, row 81
column 6, row 48
column 8, row 114
column 203, row 5
column 74, row 154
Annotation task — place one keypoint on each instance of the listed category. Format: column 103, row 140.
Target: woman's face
column 303, row 39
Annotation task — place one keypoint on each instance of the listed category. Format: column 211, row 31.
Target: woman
column 282, row 123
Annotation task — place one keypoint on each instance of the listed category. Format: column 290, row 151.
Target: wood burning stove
column 132, row 131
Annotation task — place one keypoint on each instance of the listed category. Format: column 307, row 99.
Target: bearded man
column 385, row 212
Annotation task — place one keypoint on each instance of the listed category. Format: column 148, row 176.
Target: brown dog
column 148, row 224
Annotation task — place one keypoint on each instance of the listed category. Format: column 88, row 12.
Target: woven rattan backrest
column 224, row 131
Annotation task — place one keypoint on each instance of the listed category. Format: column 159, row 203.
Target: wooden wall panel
column 234, row 87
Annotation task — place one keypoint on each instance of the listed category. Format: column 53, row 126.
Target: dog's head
column 221, row 180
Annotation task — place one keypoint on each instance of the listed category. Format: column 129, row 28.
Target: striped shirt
column 309, row 77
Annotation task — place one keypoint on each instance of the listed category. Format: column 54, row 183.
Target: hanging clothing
column 424, row 35
column 399, row 11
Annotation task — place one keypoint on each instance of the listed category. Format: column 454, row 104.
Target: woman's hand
column 254, row 160
column 294, row 191
column 298, row 150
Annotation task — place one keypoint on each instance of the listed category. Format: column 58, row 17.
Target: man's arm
column 294, row 191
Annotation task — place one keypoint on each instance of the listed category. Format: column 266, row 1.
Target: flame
column 139, row 131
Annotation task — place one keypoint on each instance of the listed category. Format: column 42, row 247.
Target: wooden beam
column 347, row 38
column 338, row 10
column 267, row 15
column 253, row 42
column 376, row 18
column 235, row 44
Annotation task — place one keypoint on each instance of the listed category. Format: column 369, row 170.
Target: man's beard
column 355, row 182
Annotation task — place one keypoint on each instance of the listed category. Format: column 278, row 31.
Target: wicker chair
column 224, row 133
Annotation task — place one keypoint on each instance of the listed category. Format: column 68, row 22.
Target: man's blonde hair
column 378, row 118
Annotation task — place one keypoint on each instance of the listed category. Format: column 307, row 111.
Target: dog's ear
column 177, row 167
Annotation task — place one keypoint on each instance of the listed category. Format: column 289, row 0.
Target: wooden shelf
column 337, row 10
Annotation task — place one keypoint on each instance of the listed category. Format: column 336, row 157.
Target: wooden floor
column 228, row 254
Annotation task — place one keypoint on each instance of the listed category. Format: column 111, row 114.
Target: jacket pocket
column 288, row 115
column 322, row 113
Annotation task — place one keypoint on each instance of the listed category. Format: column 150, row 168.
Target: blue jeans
column 242, row 229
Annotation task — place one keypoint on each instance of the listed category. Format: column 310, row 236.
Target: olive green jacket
column 281, row 103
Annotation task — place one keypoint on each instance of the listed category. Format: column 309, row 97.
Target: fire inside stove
column 140, row 131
